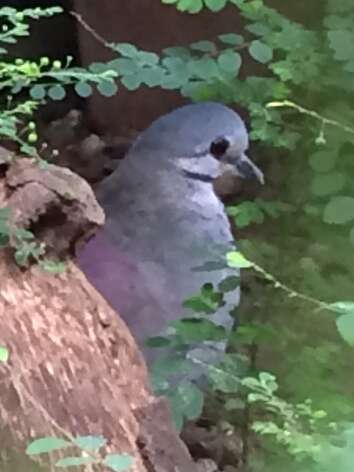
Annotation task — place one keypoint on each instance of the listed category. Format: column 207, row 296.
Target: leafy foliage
column 303, row 431
column 26, row 248
column 90, row 455
column 42, row 79
column 299, row 107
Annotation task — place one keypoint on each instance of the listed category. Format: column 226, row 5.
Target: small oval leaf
column 260, row 51
column 237, row 261
column 230, row 61
column 90, row 442
column 47, row 444
column 327, row 184
column 131, row 82
column 339, row 210
column 4, row 354
column 215, row 5
column 83, row 89
column 37, row 92
column 57, row 92
column 107, row 88
column 118, row 462
column 231, row 39
column 345, row 326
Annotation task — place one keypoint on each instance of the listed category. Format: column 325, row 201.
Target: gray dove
column 163, row 220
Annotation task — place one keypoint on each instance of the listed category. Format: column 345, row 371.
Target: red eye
column 219, row 147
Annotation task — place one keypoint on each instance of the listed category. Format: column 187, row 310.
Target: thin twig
column 88, row 28
column 312, row 113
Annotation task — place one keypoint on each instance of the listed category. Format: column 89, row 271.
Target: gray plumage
column 163, row 219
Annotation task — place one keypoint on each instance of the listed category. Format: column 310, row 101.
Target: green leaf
column 166, row 366
column 158, row 383
column 24, row 234
column 226, row 377
column 237, row 261
column 8, row 11
column 147, row 58
column 74, row 461
column 341, row 41
column 124, row 66
column 215, row 5
column 230, row 61
column 107, row 88
column 260, row 51
column 37, row 92
column 229, row 284
column 246, row 213
column 45, row 445
column 323, row 161
column 118, row 462
column 175, row 65
column 157, row 341
column 57, row 92
column 327, row 184
column 90, row 442
column 191, row 6
column 192, row 330
column 83, row 89
column 126, row 49
column 203, row 46
column 339, row 210
column 153, row 76
column 4, row 226
column 18, row 86
column 29, row 150
column 4, row 354
column 345, row 326
column 343, row 308
column 187, row 400
column 268, row 382
column 254, row 334
column 53, row 267
column 207, row 301
column 231, row 39
column 131, row 82
column 259, row 29
column 178, row 51
column 98, row 67
column 204, row 68
column 349, row 66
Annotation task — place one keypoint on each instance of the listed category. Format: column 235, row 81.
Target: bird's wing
column 137, row 290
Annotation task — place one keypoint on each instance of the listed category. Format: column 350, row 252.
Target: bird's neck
column 162, row 205
column 170, row 215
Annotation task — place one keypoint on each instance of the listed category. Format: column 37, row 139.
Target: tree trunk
column 74, row 368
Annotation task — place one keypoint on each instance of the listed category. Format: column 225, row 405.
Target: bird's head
column 202, row 141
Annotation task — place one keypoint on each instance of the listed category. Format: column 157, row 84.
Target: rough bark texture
column 74, row 368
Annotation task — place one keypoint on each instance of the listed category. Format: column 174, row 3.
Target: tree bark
column 74, row 368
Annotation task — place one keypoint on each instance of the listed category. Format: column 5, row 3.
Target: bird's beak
column 245, row 169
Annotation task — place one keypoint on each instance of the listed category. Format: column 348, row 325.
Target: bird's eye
column 218, row 147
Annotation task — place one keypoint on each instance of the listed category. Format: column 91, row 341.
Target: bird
column 164, row 222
